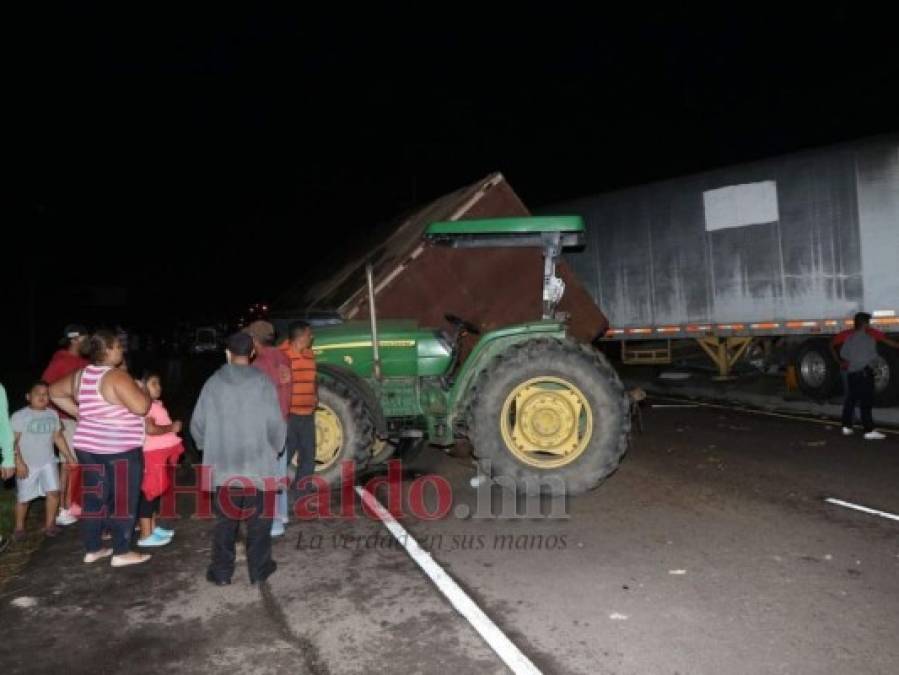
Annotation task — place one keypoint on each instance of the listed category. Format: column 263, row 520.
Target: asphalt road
column 711, row 550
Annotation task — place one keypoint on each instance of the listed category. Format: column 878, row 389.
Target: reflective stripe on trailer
column 884, row 318
column 886, row 321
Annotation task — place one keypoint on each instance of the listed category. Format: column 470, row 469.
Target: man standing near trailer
column 859, row 351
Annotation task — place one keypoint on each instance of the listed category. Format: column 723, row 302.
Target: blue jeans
column 861, row 394
column 111, row 492
column 281, row 514
column 844, row 380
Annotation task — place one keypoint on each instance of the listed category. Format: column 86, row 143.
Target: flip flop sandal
column 121, row 561
column 90, row 558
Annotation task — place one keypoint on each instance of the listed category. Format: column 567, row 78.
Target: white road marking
column 863, row 509
column 513, row 657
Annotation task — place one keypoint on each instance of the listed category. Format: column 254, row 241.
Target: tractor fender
column 352, row 381
column 491, row 346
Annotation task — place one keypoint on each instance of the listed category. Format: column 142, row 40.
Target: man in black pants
column 239, row 426
column 860, row 353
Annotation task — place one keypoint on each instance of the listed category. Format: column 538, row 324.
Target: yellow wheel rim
column 328, row 437
column 546, row 422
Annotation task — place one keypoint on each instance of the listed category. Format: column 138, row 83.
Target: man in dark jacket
column 239, row 426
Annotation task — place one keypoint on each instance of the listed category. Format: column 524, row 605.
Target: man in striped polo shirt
column 303, row 400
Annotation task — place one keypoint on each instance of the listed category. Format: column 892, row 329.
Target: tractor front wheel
column 343, row 430
column 551, row 416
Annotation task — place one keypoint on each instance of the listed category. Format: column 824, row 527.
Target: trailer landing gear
column 725, row 353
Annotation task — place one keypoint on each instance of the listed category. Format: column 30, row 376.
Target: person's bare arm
column 119, row 387
column 890, row 343
column 64, row 448
column 154, row 429
column 62, row 393
column 21, row 466
column 833, row 350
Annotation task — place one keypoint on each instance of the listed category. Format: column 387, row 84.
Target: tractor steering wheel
column 462, row 325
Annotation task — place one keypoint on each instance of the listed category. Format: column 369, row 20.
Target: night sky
column 201, row 159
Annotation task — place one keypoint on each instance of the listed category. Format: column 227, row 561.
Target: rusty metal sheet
column 490, row 287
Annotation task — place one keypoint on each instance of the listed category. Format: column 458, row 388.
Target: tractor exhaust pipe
column 376, row 353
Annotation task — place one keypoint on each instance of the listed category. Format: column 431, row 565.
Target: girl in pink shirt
column 162, row 448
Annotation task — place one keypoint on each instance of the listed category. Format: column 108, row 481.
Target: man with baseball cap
column 276, row 366
column 859, row 351
column 239, row 426
column 68, row 359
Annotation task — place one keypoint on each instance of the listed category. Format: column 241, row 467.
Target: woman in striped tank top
column 109, row 438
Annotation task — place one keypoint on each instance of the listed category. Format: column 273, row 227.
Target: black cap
column 71, row 332
column 74, row 330
column 240, row 344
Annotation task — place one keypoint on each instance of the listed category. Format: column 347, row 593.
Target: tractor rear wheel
column 551, row 415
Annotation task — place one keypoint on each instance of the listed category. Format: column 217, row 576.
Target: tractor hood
column 407, row 350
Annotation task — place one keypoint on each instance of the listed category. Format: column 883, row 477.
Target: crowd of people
column 97, row 443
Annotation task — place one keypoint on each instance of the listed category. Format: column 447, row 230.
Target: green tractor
column 536, row 406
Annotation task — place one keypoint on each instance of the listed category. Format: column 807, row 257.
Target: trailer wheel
column 817, row 371
column 886, row 377
column 551, row 415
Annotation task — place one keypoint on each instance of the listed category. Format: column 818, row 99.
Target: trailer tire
column 886, row 391
column 565, row 391
column 816, row 370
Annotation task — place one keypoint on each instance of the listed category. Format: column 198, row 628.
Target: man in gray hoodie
column 238, row 424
